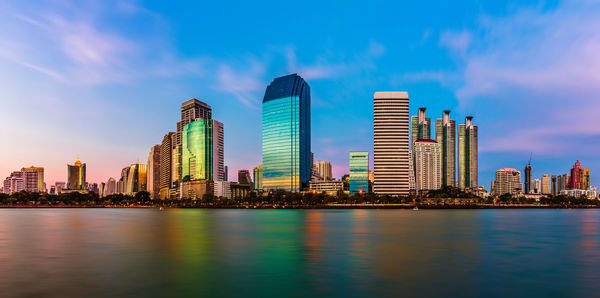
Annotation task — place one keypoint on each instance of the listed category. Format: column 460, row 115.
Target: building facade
column 323, row 169
column 507, row 181
column 286, row 134
column 33, row 179
column 546, row 184
column 135, row 179
column 580, row 177
column 330, row 187
column 359, row 172
column 197, row 150
column 244, row 177
column 76, row 176
column 527, row 182
column 258, row 178
column 391, row 143
column 420, row 126
column 218, row 151
column 467, row 154
column 445, row 132
column 167, row 165
column 428, row 165
column 153, row 172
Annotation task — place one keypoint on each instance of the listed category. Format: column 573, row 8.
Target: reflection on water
column 194, row 252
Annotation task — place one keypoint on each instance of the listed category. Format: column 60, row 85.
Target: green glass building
column 197, row 150
column 286, row 134
column 359, row 172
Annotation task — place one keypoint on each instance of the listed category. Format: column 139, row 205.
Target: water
column 262, row 253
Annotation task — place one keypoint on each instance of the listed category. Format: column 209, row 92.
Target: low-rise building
column 330, row 187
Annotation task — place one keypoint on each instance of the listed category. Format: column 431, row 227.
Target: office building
column 420, row 127
column 197, row 150
column 226, row 173
column 286, row 134
column 153, row 170
column 445, row 131
column 76, row 176
column 168, row 149
column 111, row 187
column 222, row 189
column 196, row 189
column 580, row 177
column 391, row 143
column 258, row 178
column 507, row 181
column 244, row 177
column 323, row 170
column 33, row 179
column 191, row 110
column 218, row 151
column 330, row 187
column 359, row 172
column 134, row 178
column 428, row 166
column 528, row 178
column 467, row 154
column 546, row 184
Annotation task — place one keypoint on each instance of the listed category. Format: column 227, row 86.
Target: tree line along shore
column 445, row 198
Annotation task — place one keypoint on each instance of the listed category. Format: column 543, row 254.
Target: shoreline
column 329, row 206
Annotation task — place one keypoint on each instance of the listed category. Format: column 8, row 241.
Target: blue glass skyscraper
column 359, row 172
column 286, row 134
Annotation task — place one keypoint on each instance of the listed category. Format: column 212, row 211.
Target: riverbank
column 328, row 206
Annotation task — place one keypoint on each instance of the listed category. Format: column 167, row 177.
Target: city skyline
column 112, row 120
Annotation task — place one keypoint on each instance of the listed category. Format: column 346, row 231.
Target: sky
column 103, row 81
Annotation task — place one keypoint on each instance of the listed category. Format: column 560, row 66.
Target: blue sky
column 103, row 80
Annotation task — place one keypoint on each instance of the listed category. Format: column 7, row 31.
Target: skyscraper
column 136, row 179
column 585, row 178
column 197, row 150
column 580, row 177
column 359, row 172
column 286, row 134
column 111, row 187
column 323, row 169
column 507, row 181
column 153, row 171
column 528, row 178
column 445, row 130
column 33, row 179
column 258, row 178
column 546, row 184
column 244, row 177
column 167, row 164
column 76, row 176
column 420, row 126
column 428, row 167
column 391, row 143
column 467, row 154
column 191, row 111
column 218, row 151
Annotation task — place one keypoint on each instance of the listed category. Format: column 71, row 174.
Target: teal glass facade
column 286, row 134
column 197, row 150
column 359, row 172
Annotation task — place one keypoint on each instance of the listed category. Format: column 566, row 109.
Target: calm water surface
column 262, row 253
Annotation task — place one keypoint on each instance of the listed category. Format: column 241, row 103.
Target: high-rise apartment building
column 244, row 177
column 359, row 172
column 536, row 186
column 14, row 183
column 391, row 143
column 167, row 165
column 323, row 169
column 258, row 178
column 33, row 179
column 507, row 181
column 445, row 131
column 467, row 154
column 76, row 176
column 286, row 134
column 420, row 126
column 153, row 170
column 197, row 150
column 428, row 165
column 218, row 151
column 546, row 184
column 585, row 178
